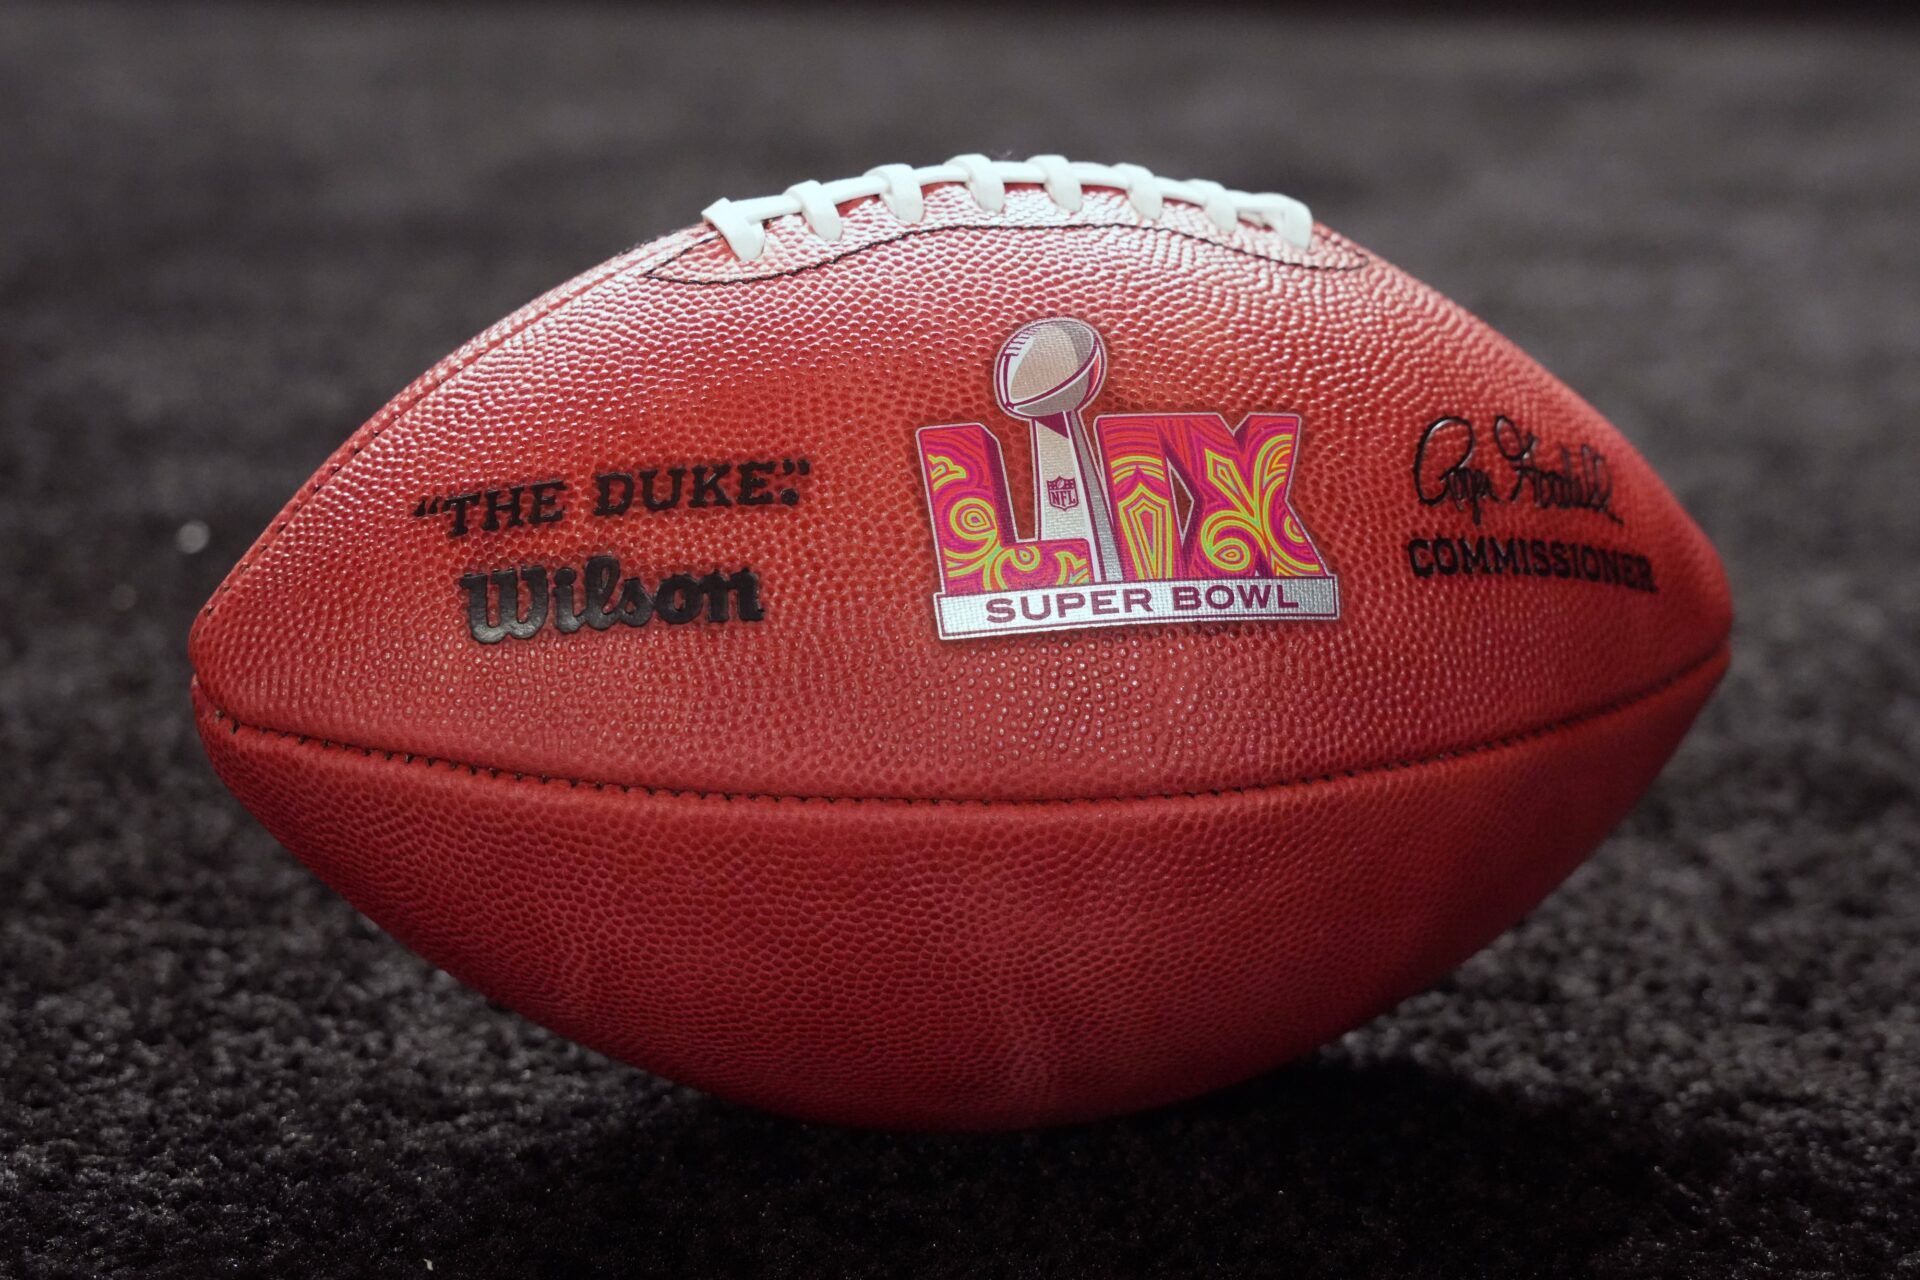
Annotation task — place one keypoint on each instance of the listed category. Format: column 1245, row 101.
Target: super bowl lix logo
column 1142, row 518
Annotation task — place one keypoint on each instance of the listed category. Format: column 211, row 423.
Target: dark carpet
column 228, row 235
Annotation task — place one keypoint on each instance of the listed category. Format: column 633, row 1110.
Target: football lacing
column 901, row 188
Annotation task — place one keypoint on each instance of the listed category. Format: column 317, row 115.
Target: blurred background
column 229, row 234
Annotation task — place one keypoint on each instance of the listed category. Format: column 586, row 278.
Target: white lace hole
column 983, row 182
column 1062, row 187
column 902, row 195
column 1143, row 191
column 821, row 217
column 747, row 237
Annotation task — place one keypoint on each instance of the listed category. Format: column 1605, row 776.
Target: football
column 965, row 647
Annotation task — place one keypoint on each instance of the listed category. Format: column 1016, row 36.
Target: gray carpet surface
column 227, row 235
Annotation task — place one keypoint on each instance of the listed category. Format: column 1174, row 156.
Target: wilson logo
column 1142, row 518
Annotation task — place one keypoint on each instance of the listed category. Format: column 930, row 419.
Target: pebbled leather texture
column 829, row 863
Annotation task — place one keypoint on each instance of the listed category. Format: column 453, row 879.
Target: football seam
column 1484, row 746
column 1362, row 261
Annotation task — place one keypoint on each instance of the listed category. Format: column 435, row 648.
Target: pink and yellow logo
column 1145, row 518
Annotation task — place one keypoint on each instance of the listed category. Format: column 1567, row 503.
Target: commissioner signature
column 1444, row 470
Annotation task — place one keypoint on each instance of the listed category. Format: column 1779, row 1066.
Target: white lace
column 743, row 222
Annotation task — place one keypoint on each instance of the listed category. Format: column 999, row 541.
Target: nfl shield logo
column 1062, row 493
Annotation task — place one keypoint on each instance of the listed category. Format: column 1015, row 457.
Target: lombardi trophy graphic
column 1046, row 374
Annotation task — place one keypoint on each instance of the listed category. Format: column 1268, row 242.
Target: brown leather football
column 970, row 646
